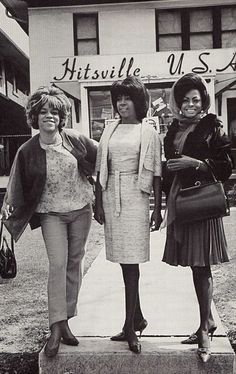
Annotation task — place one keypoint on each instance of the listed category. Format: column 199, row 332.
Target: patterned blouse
column 65, row 189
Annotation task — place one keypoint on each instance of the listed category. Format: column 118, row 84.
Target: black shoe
column 121, row 337
column 52, row 345
column 70, row 341
column 140, row 326
column 67, row 336
column 193, row 339
column 134, row 344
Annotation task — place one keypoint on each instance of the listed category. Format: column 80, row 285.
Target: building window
column 100, row 110
column 201, row 29
column 169, row 31
column 86, row 34
column 228, row 26
column 198, row 28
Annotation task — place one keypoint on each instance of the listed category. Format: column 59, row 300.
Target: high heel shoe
column 139, row 326
column 204, row 353
column 211, row 331
column 193, row 338
column 133, row 343
column 121, row 337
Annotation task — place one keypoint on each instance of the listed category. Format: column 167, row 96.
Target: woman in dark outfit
column 194, row 145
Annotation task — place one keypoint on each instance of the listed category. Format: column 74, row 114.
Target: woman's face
column 192, row 104
column 48, row 119
column 126, row 109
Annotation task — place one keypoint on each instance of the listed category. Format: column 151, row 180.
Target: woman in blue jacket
column 49, row 187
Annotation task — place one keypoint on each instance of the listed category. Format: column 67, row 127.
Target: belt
column 118, row 174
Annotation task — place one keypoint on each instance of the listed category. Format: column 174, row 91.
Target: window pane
column 169, row 22
column 86, row 27
column 87, row 47
column 200, row 20
column 229, row 39
column 201, row 41
column 100, row 109
column 228, row 18
column 170, row 43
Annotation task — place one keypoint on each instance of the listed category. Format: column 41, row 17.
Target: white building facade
column 83, row 46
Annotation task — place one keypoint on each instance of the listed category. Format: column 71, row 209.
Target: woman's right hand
column 181, row 163
column 6, row 211
column 99, row 215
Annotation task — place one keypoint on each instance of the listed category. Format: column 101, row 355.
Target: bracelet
column 198, row 165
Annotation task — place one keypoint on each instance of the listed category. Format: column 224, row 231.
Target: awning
column 223, row 85
column 70, row 88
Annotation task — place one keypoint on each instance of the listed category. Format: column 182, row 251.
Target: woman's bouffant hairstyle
column 135, row 89
column 189, row 82
column 55, row 98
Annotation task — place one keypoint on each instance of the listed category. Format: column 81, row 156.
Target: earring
column 180, row 112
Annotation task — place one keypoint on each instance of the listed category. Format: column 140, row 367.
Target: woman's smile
column 192, row 104
column 48, row 118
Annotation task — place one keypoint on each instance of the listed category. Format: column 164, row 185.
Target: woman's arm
column 220, row 160
column 98, row 209
column 156, row 217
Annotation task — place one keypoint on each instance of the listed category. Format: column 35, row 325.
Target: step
column 160, row 355
column 170, row 306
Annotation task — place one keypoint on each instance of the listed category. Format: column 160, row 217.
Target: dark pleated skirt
column 196, row 244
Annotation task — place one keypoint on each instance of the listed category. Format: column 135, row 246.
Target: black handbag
column 8, row 266
column 201, row 202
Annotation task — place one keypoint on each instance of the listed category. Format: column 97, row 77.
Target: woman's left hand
column 156, row 220
column 181, row 163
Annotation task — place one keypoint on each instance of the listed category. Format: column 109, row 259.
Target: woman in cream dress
column 129, row 166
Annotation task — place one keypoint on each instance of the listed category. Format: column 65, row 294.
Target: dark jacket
column 207, row 143
column 28, row 177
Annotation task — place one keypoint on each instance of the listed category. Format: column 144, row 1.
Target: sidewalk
column 170, row 307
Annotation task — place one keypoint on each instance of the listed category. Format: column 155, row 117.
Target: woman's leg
column 203, row 284
column 54, row 231
column 131, row 280
column 78, row 230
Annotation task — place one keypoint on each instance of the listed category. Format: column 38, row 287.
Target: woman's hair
column 135, row 89
column 56, row 100
column 189, row 82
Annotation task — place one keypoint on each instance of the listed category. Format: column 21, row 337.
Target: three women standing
column 129, row 166
column 48, row 187
column 195, row 146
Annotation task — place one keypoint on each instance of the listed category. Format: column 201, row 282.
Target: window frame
column 77, row 39
column 186, row 34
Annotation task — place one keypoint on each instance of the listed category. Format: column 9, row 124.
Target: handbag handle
column 212, row 173
column 12, row 240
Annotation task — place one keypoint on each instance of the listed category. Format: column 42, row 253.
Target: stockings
column 132, row 303
column 203, row 284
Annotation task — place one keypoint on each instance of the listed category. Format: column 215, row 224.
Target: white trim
column 161, row 4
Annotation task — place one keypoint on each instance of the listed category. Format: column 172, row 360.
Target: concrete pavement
column 170, row 306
